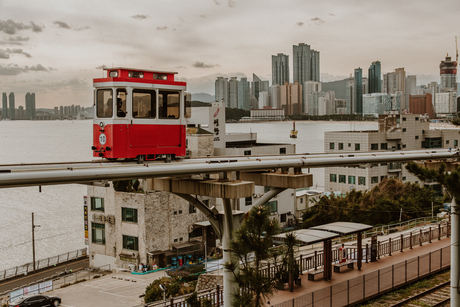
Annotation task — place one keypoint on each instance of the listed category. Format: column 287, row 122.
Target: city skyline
column 54, row 49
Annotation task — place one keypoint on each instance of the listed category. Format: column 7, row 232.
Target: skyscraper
column 375, row 83
column 306, row 64
column 448, row 70
column 258, row 86
column 30, row 105
column 12, row 107
column 358, row 91
column 394, row 82
column 221, row 90
column 233, row 93
column 4, row 106
column 410, row 85
column 280, row 69
column 243, row 94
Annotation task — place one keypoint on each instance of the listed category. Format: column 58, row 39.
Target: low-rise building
column 397, row 132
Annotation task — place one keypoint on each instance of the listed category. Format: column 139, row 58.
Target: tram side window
column 169, row 104
column 188, row 105
column 144, row 104
column 121, row 102
column 104, row 103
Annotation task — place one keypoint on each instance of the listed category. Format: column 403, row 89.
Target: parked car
column 36, row 300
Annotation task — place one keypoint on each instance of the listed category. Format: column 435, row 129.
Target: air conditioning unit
column 110, row 219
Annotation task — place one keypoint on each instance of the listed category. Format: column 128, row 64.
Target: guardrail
column 40, row 264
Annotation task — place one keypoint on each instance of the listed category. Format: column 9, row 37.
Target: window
column 129, row 215
column 283, row 151
column 349, row 144
column 383, row 164
column 340, row 146
column 342, row 179
column 416, row 119
column 247, row 152
column 121, row 102
column 301, row 200
column 331, row 145
column 455, row 143
column 362, row 180
column 404, row 145
column 104, row 103
column 404, row 129
column 403, row 178
column 404, row 119
column 416, row 137
column 399, row 146
column 168, row 104
column 447, row 142
column 130, row 243
column 248, row 201
column 375, row 146
column 180, row 211
column 191, row 208
column 188, row 105
column 383, row 146
column 98, row 233
column 273, row 205
column 357, row 147
column 351, row 180
column 144, row 103
column 375, row 179
column 97, row 204
column 333, row 178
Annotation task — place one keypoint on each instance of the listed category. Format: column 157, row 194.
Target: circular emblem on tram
column 102, row 139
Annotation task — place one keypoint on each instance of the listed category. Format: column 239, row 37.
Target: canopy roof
column 309, row 236
column 343, row 228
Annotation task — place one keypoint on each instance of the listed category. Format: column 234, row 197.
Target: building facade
column 375, row 83
column 12, row 109
column 280, row 69
column 397, row 132
column 305, row 64
column 4, row 106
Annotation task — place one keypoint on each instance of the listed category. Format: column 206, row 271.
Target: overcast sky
column 55, row 48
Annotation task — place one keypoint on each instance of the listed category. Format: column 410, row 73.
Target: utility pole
column 33, row 239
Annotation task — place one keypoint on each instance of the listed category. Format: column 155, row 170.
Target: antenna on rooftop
column 456, row 49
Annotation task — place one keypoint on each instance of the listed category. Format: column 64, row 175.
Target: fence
column 215, row 296
column 373, row 284
column 40, row 264
column 386, row 247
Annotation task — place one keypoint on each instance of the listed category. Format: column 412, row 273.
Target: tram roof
column 140, row 69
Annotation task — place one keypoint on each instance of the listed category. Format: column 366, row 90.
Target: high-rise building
column 275, row 96
column 291, row 98
column 421, row 104
column 410, row 89
column 61, row 111
column 258, row 86
column 359, row 91
column 375, row 83
column 310, row 99
column 243, row 94
column 306, row 64
column 4, row 106
column 280, row 69
column 233, row 93
column 263, row 100
column 376, row 104
column 30, row 105
column 350, row 96
column 12, row 107
column 221, row 90
column 21, row 113
column 448, row 69
column 56, row 111
column 394, row 82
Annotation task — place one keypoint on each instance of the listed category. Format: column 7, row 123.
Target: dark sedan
column 36, row 300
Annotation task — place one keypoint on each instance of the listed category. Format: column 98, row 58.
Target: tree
column 254, row 237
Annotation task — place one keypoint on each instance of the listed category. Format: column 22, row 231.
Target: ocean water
column 59, row 209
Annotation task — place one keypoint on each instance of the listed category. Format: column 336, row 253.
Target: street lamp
column 33, row 240
column 163, row 288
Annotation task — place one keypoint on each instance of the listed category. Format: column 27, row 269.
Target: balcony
column 394, row 167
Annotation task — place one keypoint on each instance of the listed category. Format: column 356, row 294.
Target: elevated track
column 19, row 175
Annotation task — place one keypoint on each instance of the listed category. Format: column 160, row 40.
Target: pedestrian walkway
column 308, row 286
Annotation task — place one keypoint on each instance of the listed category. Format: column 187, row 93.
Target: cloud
column 231, row 3
column 162, row 28
column 14, row 69
column 62, row 25
column 318, row 21
column 199, row 64
column 216, row 2
column 5, row 53
column 14, row 40
column 299, row 23
column 11, row 27
column 140, row 17
column 81, row 28
column 330, row 14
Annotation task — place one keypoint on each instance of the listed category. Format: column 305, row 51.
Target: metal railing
column 215, row 296
column 314, row 260
column 376, row 283
column 40, row 264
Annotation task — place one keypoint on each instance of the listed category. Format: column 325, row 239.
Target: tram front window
column 121, row 102
column 104, row 103
column 169, row 104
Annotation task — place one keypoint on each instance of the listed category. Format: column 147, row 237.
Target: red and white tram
column 139, row 114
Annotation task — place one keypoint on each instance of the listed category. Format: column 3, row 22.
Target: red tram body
column 139, row 114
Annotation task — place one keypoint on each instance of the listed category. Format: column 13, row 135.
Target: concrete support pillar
column 229, row 285
column 454, row 253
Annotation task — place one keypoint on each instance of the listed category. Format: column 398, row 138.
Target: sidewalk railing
column 376, row 283
column 214, row 296
column 40, row 264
